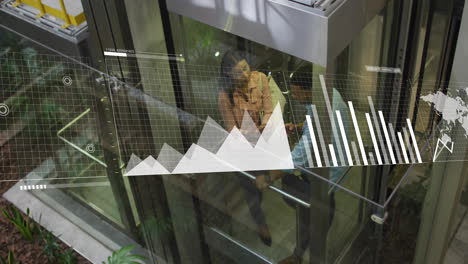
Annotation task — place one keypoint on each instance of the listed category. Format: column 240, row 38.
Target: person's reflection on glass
column 244, row 90
column 297, row 182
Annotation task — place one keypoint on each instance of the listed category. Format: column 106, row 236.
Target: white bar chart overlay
column 403, row 149
column 345, row 139
column 374, row 140
column 332, row 119
column 413, row 137
column 371, row 158
column 387, row 138
column 315, row 115
column 314, row 141
column 408, row 143
column 358, row 132
column 395, row 142
column 377, row 129
column 356, row 152
column 332, row 153
column 308, row 152
column 363, row 147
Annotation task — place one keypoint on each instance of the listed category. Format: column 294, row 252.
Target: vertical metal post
column 64, row 14
column 109, row 138
column 319, row 199
column 17, row 3
column 41, row 8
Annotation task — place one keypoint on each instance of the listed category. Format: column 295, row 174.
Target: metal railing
column 73, row 145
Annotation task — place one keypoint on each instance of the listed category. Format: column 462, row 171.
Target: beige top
column 256, row 100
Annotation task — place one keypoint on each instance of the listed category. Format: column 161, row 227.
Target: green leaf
column 67, row 257
column 10, row 258
column 24, row 225
column 123, row 256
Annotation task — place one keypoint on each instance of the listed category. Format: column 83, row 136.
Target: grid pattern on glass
column 199, row 88
column 175, row 119
column 48, row 121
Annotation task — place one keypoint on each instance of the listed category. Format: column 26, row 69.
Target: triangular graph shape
column 276, row 150
column 169, row 157
column 249, row 129
column 150, row 161
column 132, row 163
column 275, row 121
column 220, row 151
column 201, row 161
column 235, row 151
column 149, row 166
column 212, row 136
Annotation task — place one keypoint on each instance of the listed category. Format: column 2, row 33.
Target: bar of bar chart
column 386, row 145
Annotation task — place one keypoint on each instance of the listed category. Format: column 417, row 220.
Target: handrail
column 73, row 145
column 339, row 180
column 292, row 197
column 148, row 97
column 277, row 190
column 406, row 175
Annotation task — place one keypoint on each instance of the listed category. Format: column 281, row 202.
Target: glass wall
column 457, row 239
column 224, row 207
column 143, row 141
column 50, row 133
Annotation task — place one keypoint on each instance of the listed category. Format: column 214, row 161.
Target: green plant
column 123, row 256
column 10, row 259
column 51, row 247
column 25, row 225
column 54, row 252
column 67, row 257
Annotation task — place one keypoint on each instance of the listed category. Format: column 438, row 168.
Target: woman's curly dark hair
column 228, row 62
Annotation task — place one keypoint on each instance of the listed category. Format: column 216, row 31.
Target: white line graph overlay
column 232, row 152
column 444, row 146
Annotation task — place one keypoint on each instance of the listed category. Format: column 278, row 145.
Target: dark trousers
column 300, row 187
column 253, row 197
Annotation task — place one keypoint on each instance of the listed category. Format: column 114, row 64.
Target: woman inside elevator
column 246, row 91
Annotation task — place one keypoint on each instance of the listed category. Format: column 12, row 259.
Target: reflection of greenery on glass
column 29, row 87
column 8, row 65
column 13, row 64
column 30, row 59
column 10, row 42
column 202, row 51
column 10, row 73
column 123, row 256
column 405, row 218
column 20, row 106
column 49, row 117
column 156, row 227
column 411, row 199
column 50, row 111
column 25, row 225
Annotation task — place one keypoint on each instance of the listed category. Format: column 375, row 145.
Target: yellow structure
column 59, row 13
